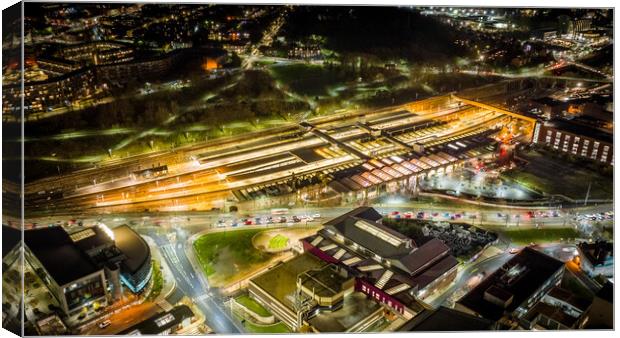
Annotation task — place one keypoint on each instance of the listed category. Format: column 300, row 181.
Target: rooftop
column 597, row 253
column 160, row 322
column 133, row 246
column 580, row 129
column 520, row 277
column 553, row 312
column 324, row 282
column 446, row 319
column 286, row 276
column 56, row 251
column 429, row 253
column 360, row 226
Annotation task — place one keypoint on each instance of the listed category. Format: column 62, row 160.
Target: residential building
column 575, row 139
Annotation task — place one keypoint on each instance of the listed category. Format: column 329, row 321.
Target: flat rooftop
column 58, row 254
column 446, row 319
column 325, row 282
column 355, row 308
column 520, row 277
column 580, row 129
column 160, row 322
column 280, row 281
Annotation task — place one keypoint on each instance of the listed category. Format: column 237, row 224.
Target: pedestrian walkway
column 169, row 281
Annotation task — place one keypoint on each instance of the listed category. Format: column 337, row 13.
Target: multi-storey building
column 84, row 268
column 515, row 288
column 575, row 139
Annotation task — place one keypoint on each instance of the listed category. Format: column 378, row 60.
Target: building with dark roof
column 163, row 323
column 72, row 277
column 388, row 266
column 600, row 315
column 558, row 310
column 597, row 258
column 136, row 267
column 576, row 139
column 82, row 266
column 446, row 319
column 515, row 287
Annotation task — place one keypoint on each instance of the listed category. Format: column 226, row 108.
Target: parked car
column 104, row 324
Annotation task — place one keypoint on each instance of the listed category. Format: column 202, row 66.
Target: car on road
column 104, row 324
column 316, row 216
column 296, row 219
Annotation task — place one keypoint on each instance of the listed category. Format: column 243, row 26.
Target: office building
column 514, row 288
column 83, row 268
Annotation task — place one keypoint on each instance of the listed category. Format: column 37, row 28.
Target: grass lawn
column 158, row 281
column 278, row 242
column 307, row 79
column 256, row 328
column 253, row 305
column 546, row 172
column 223, row 255
column 527, row 236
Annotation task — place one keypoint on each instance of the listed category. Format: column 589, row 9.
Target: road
column 189, row 284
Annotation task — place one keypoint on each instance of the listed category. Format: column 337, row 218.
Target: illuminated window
column 161, row 321
column 80, row 235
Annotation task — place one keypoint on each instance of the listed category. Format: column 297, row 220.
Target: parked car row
column 266, row 220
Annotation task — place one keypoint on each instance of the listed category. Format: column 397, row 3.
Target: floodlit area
column 477, row 183
column 192, row 169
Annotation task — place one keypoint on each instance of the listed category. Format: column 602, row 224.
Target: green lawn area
column 527, row 236
column 223, row 255
column 549, row 173
column 278, row 242
column 307, row 79
column 253, row 305
column 158, row 281
column 255, row 328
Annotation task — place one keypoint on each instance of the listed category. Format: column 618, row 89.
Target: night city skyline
column 186, row 169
